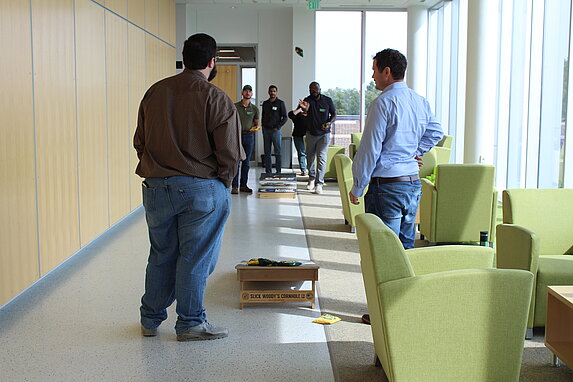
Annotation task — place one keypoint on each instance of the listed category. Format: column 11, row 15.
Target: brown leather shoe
column 366, row 318
column 246, row 189
column 234, row 190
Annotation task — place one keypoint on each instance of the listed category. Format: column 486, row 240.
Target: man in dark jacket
column 274, row 117
column 321, row 114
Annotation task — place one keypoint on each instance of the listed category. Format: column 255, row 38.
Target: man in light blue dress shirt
column 399, row 129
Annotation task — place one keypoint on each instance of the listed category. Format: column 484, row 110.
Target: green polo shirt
column 247, row 115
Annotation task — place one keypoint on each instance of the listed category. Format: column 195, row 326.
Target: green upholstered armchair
column 461, row 203
column 439, row 154
column 355, row 139
column 435, row 315
column 345, row 181
column 430, row 160
column 537, row 235
column 330, row 167
column 447, row 141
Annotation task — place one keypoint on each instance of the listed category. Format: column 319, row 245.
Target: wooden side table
column 559, row 323
column 304, row 272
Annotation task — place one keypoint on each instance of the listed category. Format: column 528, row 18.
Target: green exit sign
column 313, row 4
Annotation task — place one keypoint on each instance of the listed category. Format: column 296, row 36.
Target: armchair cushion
column 449, row 257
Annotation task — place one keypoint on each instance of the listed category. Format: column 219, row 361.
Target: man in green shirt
column 249, row 116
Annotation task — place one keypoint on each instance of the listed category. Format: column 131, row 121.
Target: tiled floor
column 81, row 322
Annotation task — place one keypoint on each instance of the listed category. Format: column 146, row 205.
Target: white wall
column 303, row 67
column 274, row 33
column 228, row 25
column 180, row 31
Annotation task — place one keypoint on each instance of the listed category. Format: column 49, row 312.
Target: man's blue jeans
column 301, row 151
column 248, row 142
column 186, row 217
column 396, row 204
column 272, row 137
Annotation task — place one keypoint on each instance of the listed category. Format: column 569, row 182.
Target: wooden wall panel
column 91, row 120
column 172, row 23
column 18, row 226
column 55, row 115
column 163, row 20
column 118, row 6
column 136, row 12
column 119, row 139
column 152, row 16
column 151, row 60
column 137, row 88
column 166, row 60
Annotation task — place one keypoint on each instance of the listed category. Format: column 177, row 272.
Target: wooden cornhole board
column 305, row 272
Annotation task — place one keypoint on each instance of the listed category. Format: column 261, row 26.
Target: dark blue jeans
column 396, row 204
column 272, row 137
column 248, row 141
column 186, row 217
column 301, row 151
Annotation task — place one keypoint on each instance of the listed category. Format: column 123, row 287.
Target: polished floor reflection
column 81, row 321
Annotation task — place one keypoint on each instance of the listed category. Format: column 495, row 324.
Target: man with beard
column 188, row 141
column 274, row 117
column 249, row 115
column 321, row 114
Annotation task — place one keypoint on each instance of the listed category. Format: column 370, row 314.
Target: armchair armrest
column 352, row 150
column 427, row 205
column 493, row 216
column 430, row 322
column 449, row 257
column 517, row 248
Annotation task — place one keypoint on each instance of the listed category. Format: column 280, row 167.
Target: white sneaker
column 318, row 189
column 310, row 185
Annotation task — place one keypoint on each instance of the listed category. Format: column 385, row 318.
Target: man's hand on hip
column 353, row 199
column 420, row 160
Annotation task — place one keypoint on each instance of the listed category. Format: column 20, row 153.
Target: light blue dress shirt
column 399, row 126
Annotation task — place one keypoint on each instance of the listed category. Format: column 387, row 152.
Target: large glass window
column 532, row 145
column 446, row 69
column 382, row 30
column 338, row 51
column 344, row 61
column 554, row 79
column 532, row 93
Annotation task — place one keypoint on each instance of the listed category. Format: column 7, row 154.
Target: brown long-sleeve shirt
column 187, row 126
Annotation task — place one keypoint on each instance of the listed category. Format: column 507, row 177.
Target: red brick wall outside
column 340, row 133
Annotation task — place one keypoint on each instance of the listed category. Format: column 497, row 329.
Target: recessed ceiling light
column 226, row 50
column 229, row 58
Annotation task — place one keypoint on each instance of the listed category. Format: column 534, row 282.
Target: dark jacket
column 319, row 112
column 300, row 124
column 274, row 114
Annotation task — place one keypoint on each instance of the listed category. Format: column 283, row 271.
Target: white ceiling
column 328, row 4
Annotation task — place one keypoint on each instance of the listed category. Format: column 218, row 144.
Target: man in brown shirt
column 188, row 140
